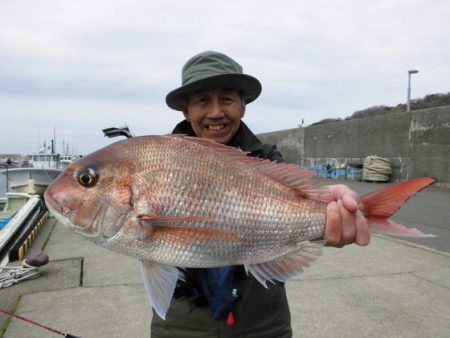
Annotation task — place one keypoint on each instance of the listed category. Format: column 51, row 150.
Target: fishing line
column 68, row 335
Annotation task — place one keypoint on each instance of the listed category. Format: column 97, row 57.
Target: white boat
column 30, row 180
column 68, row 159
column 22, row 210
column 48, row 159
column 15, row 211
column 43, row 168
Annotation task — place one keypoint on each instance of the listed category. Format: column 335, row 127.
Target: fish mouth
column 52, row 204
column 63, row 214
column 57, row 210
column 61, row 217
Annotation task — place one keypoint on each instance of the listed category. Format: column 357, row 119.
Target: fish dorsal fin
column 159, row 283
column 288, row 174
column 286, row 267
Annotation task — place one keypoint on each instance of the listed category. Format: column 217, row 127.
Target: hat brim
column 249, row 87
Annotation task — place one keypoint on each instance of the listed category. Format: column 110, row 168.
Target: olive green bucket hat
column 213, row 70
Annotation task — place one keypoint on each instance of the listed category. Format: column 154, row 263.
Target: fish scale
column 261, row 226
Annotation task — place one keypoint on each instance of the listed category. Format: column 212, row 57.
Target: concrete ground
column 392, row 288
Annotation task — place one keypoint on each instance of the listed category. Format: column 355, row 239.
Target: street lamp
column 408, row 103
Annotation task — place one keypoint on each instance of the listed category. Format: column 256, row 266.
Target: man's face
column 215, row 113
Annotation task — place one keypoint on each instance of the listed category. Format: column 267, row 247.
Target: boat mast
column 54, row 141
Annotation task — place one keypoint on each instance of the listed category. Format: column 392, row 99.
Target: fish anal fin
column 159, row 283
column 287, row 267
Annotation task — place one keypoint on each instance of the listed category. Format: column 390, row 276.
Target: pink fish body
column 175, row 201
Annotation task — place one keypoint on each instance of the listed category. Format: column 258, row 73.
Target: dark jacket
column 259, row 312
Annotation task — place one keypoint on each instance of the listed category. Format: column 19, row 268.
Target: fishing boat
column 22, row 210
column 21, row 216
column 43, row 167
column 30, row 180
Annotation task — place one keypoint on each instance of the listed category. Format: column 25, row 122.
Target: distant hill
column 429, row 101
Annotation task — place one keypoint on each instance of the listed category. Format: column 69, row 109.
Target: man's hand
column 345, row 224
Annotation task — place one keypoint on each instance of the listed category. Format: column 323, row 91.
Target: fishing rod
column 29, row 269
column 68, row 335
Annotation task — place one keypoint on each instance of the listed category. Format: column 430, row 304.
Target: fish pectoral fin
column 159, row 283
column 172, row 228
column 287, row 267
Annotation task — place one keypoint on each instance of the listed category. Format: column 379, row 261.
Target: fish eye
column 87, row 177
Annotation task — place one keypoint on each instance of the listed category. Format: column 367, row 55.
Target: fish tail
column 379, row 205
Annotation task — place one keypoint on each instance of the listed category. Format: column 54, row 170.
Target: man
column 225, row 302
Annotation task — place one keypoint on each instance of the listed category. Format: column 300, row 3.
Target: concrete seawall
column 417, row 143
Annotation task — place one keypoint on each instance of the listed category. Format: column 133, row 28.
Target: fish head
column 93, row 195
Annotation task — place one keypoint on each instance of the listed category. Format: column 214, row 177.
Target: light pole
column 408, row 103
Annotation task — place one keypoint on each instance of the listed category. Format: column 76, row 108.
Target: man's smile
column 215, row 126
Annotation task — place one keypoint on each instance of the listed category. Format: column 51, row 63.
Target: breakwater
column 417, row 143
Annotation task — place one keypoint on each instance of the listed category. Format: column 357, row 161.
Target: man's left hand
column 345, row 224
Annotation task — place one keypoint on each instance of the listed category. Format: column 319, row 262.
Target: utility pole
column 408, row 102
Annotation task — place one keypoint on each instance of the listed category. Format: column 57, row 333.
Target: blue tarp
column 324, row 171
column 321, row 170
column 354, row 174
column 4, row 221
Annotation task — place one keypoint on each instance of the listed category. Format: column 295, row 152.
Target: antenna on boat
column 54, row 141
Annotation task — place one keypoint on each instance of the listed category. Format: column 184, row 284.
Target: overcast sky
column 81, row 66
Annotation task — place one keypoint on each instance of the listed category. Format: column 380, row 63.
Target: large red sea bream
column 175, row 202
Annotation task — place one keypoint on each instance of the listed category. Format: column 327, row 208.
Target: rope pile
column 376, row 168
